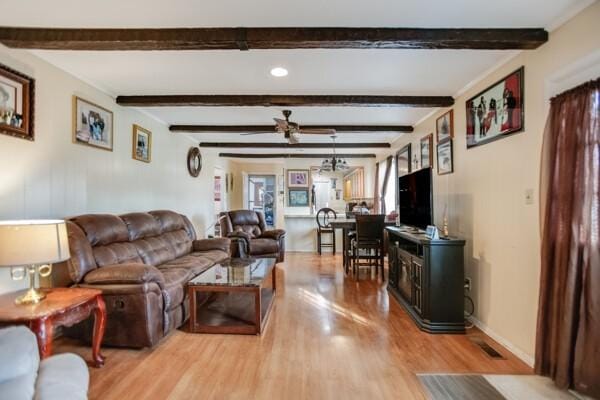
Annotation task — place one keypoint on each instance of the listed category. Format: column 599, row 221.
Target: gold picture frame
column 93, row 125
column 141, row 144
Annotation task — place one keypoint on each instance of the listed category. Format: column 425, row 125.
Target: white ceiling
column 384, row 72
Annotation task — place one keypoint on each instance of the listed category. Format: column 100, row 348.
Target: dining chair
column 368, row 243
column 324, row 215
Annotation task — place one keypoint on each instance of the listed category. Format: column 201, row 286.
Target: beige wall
column 485, row 195
column 53, row 178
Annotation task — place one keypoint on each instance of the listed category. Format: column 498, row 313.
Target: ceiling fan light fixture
column 279, row 72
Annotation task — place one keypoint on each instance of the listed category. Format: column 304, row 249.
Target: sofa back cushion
column 96, row 240
column 176, row 230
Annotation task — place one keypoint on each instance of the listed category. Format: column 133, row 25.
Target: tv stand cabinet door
column 405, row 276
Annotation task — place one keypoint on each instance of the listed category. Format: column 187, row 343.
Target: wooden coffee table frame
column 263, row 303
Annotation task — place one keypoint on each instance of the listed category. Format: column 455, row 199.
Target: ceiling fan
column 291, row 130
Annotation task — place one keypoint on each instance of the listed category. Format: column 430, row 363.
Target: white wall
column 485, row 195
column 54, row 178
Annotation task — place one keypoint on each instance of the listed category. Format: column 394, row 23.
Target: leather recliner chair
column 249, row 229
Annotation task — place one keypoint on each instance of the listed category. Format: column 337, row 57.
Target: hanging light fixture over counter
column 334, row 163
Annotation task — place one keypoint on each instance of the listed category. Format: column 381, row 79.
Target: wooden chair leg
column 333, row 239
column 319, row 242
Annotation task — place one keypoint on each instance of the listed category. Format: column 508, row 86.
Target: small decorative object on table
column 30, row 248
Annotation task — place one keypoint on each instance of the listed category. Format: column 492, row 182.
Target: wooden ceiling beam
column 292, row 155
column 283, row 145
column 272, row 38
column 228, row 100
column 271, row 128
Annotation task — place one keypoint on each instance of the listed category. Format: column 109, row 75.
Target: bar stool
column 324, row 228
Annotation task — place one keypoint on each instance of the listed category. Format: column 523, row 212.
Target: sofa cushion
column 169, row 220
column 211, row 256
column 180, row 241
column 154, row 250
column 102, row 229
column 174, row 288
column 264, row 246
column 116, row 253
column 141, row 225
column 195, row 265
column 63, row 376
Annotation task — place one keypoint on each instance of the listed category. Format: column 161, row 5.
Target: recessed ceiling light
column 279, row 72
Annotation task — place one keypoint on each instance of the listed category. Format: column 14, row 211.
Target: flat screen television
column 415, row 198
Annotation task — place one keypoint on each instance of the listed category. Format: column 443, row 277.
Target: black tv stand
column 427, row 278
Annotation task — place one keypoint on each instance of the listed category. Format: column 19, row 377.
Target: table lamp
column 30, row 247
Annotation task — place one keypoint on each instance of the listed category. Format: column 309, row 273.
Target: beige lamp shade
column 32, row 242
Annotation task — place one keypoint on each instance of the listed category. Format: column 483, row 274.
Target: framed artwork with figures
column 16, row 103
column 426, row 151
column 444, row 126
column 92, row 124
column 142, row 144
column 297, row 178
column 496, row 112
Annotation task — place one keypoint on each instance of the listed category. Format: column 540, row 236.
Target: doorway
column 261, row 196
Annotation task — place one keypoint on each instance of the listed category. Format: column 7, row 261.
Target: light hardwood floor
column 328, row 337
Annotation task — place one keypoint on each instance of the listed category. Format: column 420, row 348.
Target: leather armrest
column 240, row 235
column 132, row 273
column 273, row 234
column 223, row 244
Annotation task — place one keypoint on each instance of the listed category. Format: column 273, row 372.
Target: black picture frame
column 508, row 120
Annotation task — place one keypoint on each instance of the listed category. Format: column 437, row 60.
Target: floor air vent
column 489, row 350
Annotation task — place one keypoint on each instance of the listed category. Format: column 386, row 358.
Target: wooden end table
column 61, row 307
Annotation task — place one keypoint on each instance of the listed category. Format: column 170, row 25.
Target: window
column 390, row 195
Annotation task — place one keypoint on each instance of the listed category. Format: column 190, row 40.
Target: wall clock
column 194, row 161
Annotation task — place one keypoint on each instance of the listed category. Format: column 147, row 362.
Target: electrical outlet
column 468, row 284
column 528, row 196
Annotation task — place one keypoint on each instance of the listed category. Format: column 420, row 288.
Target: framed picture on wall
column 298, row 198
column 445, row 162
column 16, row 103
column 444, row 126
column 427, row 151
column 142, row 144
column 297, row 178
column 403, row 161
column 92, row 124
column 497, row 111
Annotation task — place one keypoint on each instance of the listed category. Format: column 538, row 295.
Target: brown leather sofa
column 141, row 262
column 249, row 230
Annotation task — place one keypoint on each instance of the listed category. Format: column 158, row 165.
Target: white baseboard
column 526, row 358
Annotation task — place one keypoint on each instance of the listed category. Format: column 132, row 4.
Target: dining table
column 348, row 224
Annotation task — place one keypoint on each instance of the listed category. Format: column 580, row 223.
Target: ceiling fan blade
column 281, row 124
column 254, row 133
column 293, row 139
column 317, row 131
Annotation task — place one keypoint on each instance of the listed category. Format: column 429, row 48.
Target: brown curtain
column 568, row 328
column 386, row 181
column 376, row 202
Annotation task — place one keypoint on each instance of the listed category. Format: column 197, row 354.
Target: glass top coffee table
column 234, row 296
